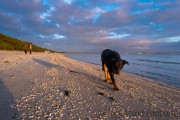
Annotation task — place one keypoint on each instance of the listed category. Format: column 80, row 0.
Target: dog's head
column 116, row 66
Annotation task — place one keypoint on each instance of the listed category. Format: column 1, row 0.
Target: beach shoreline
column 163, row 68
column 52, row 86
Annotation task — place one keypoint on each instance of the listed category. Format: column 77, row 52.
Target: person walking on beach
column 25, row 49
column 30, row 48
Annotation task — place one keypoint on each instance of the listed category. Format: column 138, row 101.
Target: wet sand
column 52, row 86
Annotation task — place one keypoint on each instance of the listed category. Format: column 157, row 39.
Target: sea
column 164, row 68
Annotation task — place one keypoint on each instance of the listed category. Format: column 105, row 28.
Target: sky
column 94, row 25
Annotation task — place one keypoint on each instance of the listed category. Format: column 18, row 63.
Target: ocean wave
column 155, row 61
column 163, row 69
column 159, row 67
column 158, row 74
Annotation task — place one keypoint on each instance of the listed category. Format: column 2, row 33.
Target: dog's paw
column 116, row 88
column 110, row 82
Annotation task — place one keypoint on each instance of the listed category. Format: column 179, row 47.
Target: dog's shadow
column 47, row 64
column 92, row 78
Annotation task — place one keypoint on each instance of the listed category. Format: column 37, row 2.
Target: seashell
column 31, row 117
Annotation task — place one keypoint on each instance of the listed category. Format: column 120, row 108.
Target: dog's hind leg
column 102, row 64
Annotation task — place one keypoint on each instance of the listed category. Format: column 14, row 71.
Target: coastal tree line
column 10, row 43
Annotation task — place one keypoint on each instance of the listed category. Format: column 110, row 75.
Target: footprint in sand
column 67, row 93
column 12, row 76
column 6, row 61
column 100, row 93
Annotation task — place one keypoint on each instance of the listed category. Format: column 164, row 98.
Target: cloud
column 114, row 35
column 76, row 25
column 56, row 36
column 47, row 43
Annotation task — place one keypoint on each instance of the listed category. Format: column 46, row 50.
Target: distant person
column 30, row 48
column 25, row 49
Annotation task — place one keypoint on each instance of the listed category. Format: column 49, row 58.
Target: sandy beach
column 51, row 86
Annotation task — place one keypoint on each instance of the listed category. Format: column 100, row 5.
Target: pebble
column 64, row 93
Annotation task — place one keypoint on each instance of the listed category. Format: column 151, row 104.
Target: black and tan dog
column 114, row 63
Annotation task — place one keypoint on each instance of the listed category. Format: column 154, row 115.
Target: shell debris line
column 57, row 87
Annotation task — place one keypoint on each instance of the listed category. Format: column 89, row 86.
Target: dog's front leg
column 109, row 77
column 105, row 72
column 113, row 81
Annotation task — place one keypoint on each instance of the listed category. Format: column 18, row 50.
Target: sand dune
column 52, row 86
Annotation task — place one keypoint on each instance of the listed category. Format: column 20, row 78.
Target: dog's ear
column 125, row 62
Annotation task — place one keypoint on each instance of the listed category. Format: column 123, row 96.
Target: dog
column 112, row 60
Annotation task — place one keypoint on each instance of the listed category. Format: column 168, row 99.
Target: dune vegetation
column 10, row 43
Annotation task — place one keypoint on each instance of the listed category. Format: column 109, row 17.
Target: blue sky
column 94, row 25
